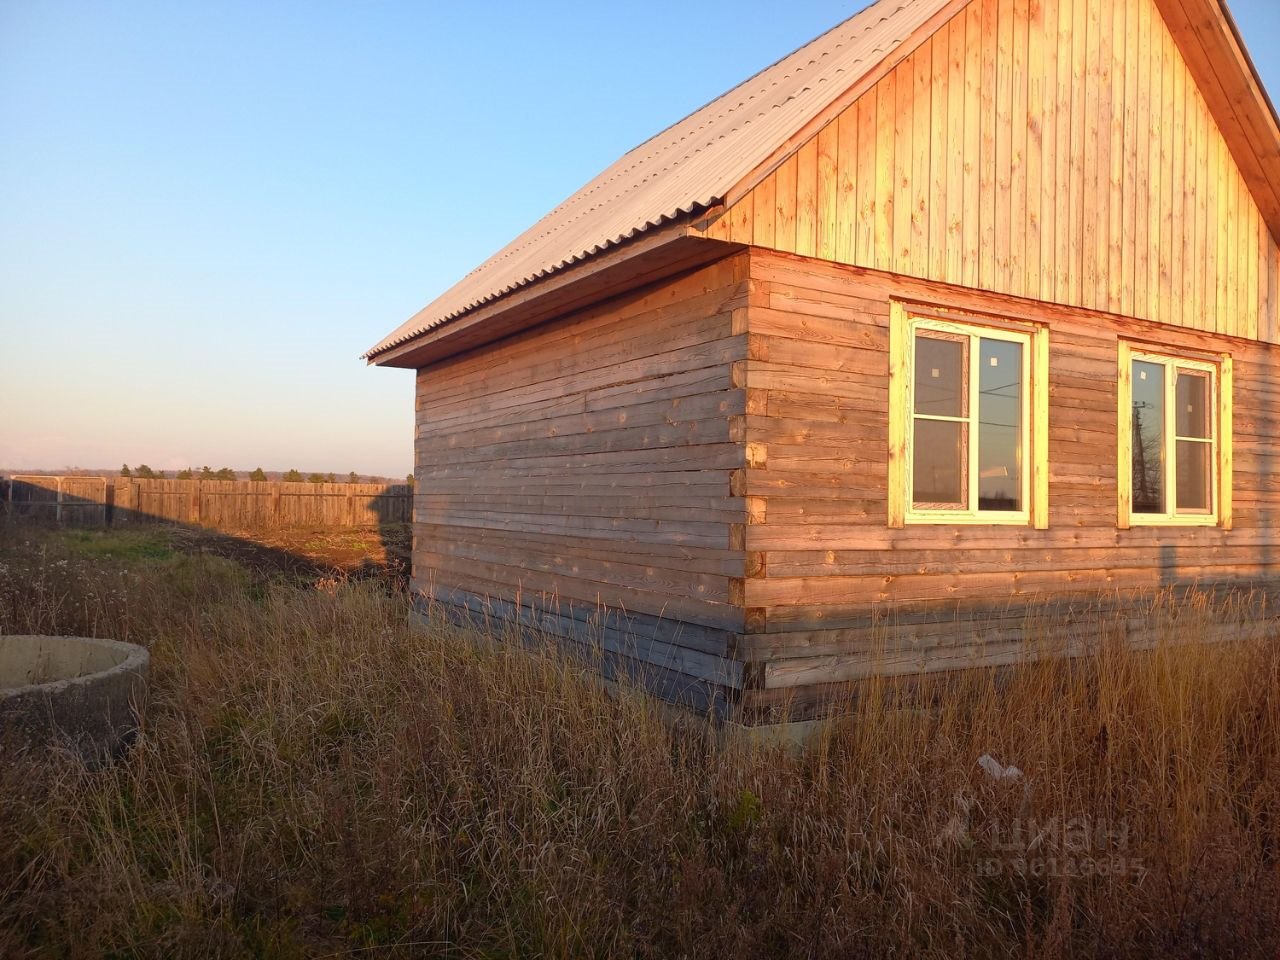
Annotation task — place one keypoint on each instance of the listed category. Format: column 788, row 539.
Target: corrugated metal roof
column 690, row 165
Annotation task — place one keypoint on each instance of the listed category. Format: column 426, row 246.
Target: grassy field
column 316, row 779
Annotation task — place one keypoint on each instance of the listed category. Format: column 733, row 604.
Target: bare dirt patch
column 381, row 554
column 344, row 554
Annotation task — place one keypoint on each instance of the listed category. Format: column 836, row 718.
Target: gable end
column 1058, row 150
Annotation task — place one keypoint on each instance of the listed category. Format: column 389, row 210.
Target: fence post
column 193, row 512
column 275, row 503
column 126, row 500
column 57, row 509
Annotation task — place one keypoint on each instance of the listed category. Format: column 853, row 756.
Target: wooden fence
column 218, row 504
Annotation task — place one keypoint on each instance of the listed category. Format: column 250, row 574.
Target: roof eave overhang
column 646, row 258
column 1210, row 42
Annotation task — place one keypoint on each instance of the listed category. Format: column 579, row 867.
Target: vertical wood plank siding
column 1055, row 149
column 589, row 463
column 833, row 567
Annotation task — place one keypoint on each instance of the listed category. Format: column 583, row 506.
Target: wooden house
column 966, row 307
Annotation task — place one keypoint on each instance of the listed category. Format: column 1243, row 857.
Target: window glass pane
column 1194, row 476
column 941, row 376
column 940, row 469
column 1000, row 425
column 1148, row 437
column 1193, row 404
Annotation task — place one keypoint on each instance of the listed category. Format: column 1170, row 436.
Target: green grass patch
column 122, row 545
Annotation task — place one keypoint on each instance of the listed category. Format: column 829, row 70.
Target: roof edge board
column 855, row 90
column 1242, row 51
column 1195, row 24
column 1215, row 23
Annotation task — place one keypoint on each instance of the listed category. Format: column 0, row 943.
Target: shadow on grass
column 380, row 552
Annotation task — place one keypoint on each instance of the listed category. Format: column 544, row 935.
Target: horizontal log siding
column 585, row 466
column 830, row 575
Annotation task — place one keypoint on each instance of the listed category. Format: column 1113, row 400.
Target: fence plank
column 231, row 505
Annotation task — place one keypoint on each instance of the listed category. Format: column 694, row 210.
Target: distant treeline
column 144, row 472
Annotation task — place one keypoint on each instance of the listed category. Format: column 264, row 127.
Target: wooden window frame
column 904, row 325
column 1221, row 375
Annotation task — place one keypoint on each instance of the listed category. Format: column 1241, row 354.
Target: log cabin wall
column 1052, row 149
column 837, row 594
column 577, row 478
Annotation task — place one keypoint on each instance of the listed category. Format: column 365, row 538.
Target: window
column 964, row 445
column 1174, row 465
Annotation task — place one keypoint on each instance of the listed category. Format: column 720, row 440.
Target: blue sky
column 209, row 210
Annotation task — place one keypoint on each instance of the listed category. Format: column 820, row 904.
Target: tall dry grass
column 317, row 779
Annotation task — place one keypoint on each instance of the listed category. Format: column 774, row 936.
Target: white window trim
column 1219, row 466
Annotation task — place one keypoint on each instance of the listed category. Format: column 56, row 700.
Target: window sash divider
column 1172, row 366
column 969, row 510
